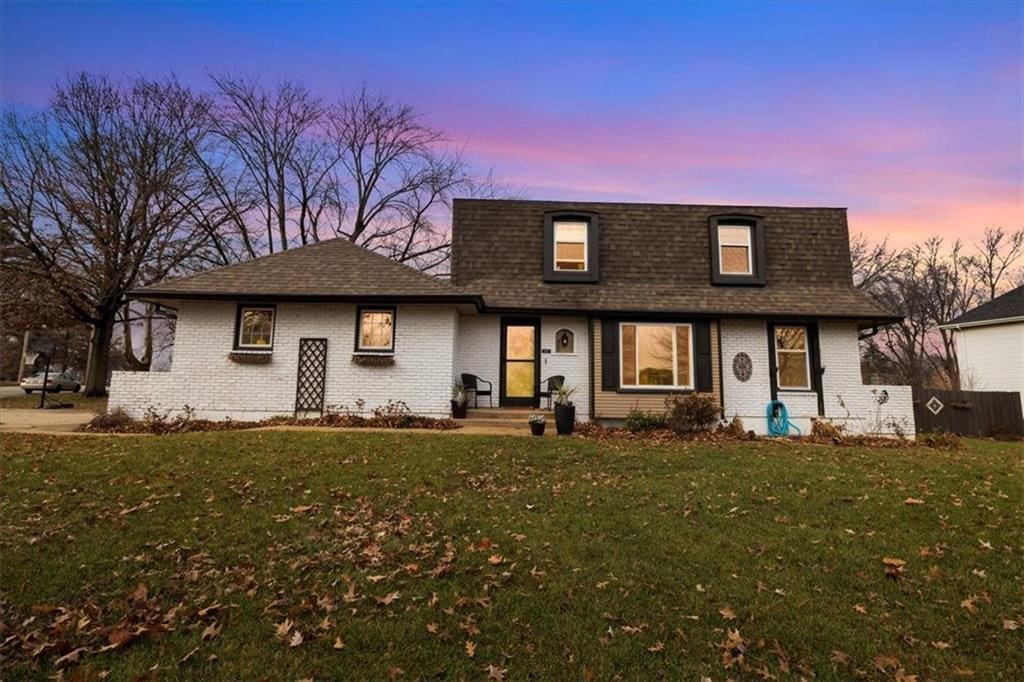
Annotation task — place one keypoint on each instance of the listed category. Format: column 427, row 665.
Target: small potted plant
column 459, row 402
column 565, row 411
column 537, row 424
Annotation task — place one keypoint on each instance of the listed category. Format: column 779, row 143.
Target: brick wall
column 479, row 352
column 204, row 378
column 847, row 401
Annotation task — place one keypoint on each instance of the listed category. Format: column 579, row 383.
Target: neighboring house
column 990, row 344
column 630, row 303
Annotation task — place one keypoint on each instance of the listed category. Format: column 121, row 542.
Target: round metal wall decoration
column 742, row 366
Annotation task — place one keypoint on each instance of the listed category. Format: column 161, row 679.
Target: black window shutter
column 702, row 362
column 609, row 355
column 813, row 343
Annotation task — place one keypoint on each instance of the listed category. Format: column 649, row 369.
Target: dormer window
column 737, row 250
column 570, row 246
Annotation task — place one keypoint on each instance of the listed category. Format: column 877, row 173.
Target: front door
column 520, row 362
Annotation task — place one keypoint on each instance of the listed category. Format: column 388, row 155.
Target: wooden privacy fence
column 968, row 413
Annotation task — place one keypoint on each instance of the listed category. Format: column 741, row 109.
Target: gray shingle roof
column 1010, row 304
column 333, row 269
column 656, row 258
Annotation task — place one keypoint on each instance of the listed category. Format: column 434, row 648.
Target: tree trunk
column 99, row 356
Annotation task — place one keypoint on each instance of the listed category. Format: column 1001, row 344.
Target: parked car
column 55, row 383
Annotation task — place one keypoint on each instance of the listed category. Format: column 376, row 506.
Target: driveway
column 42, row 421
column 6, row 391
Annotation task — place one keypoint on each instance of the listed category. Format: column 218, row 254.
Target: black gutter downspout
column 868, row 335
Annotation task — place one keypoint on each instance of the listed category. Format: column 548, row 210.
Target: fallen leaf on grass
column 970, row 604
column 496, row 673
column 840, row 657
column 885, row 661
column 1010, row 624
column 212, row 630
column 942, row 645
column 657, row 647
column 912, row 501
column 140, row 593
column 733, row 648
column 727, row 613
column 893, row 567
column 296, row 639
column 339, row 643
column 495, row 559
column 386, row 599
column 71, row 657
column 282, row 629
column 470, row 648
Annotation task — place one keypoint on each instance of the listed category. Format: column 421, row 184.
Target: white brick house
column 990, row 344
column 630, row 303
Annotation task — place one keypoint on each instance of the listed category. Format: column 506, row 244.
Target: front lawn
column 31, row 400
column 287, row 555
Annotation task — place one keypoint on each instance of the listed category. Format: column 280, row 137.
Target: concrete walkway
column 42, row 421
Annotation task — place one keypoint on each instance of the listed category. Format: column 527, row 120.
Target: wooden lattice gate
column 312, row 375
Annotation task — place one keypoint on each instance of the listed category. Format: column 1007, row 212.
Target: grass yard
column 236, row 555
column 31, row 400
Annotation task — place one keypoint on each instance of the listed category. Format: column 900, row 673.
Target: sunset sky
column 909, row 114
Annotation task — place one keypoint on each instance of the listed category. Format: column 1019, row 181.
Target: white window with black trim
column 738, row 250
column 375, row 330
column 735, row 249
column 254, row 328
column 792, row 358
column 656, row 355
column 570, row 245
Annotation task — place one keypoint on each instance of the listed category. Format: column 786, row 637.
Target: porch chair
column 471, row 382
column 553, row 384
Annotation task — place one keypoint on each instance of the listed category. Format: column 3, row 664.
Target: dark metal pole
column 46, row 376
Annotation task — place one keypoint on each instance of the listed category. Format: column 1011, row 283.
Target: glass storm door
column 520, row 362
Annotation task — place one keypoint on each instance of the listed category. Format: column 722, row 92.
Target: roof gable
column 1008, row 306
column 335, row 268
column 657, row 258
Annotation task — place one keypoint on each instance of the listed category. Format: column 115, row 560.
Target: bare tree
column 265, row 131
column 929, row 284
column 97, row 195
column 399, row 177
column 996, row 256
column 873, row 263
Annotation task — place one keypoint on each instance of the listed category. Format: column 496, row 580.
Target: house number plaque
column 742, row 366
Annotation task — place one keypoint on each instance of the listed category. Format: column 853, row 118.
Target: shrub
column 394, row 415
column 826, row 430
column 734, row 429
column 639, row 421
column 692, row 413
column 115, row 420
column 941, row 440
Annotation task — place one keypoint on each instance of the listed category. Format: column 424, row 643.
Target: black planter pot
column 565, row 418
column 537, row 428
column 458, row 410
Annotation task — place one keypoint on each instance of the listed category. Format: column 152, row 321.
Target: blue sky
column 910, row 114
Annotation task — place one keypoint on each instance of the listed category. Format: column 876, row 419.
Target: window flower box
column 373, row 360
column 243, row 357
